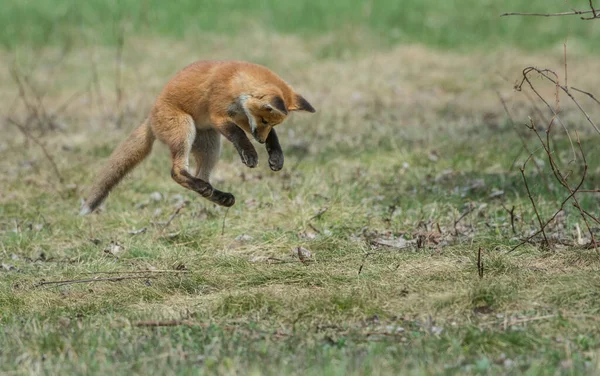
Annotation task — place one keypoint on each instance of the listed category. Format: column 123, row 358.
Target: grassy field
column 407, row 170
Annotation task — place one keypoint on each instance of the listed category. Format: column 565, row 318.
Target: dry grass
column 400, row 143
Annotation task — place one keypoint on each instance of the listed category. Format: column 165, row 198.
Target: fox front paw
column 249, row 157
column 276, row 161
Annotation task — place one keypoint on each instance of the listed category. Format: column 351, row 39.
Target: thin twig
column 319, row 213
column 479, row 264
column 141, row 271
column 573, row 13
column 172, row 217
column 544, row 73
column 511, row 212
column 170, row 323
column 586, row 93
column 110, row 279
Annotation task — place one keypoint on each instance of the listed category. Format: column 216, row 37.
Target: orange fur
column 201, row 102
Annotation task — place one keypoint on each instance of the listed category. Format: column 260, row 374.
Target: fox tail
column 124, row 159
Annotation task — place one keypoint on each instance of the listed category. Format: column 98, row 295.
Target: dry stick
column 27, row 134
column 363, row 261
column 523, row 141
column 110, row 279
column 544, row 74
column 31, row 109
column 593, row 9
column 586, row 93
column 172, row 217
column 319, row 213
column 526, row 71
column 479, row 264
column 563, row 179
column 39, row 103
column 170, row 323
column 589, row 215
column 573, row 13
column 553, row 216
column 537, row 214
column 141, row 271
column 576, row 203
column 511, row 212
column 534, row 104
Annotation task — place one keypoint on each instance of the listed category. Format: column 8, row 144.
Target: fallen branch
column 170, row 323
column 110, row 279
column 141, row 271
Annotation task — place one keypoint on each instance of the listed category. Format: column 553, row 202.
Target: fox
column 200, row 104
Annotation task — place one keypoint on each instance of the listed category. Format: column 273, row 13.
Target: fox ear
column 301, row 104
column 276, row 104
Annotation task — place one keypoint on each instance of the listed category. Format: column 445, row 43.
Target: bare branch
column 109, row 279
column 586, row 93
column 572, row 13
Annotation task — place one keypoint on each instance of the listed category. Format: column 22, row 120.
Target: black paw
column 276, row 161
column 204, row 189
column 222, row 198
column 249, row 157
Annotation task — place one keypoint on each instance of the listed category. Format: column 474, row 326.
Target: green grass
column 404, row 141
column 447, row 24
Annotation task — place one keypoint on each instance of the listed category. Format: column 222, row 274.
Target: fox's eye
column 262, row 120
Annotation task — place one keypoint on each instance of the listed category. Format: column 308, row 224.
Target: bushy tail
column 127, row 155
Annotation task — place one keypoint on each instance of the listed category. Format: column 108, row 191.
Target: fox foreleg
column 274, row 150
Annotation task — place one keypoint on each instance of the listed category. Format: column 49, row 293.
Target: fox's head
column 268, row 109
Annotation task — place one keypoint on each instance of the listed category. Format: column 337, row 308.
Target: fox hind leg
column 206, row 150
column 179, row 135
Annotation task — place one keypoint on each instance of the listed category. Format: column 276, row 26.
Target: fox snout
column 257, row 137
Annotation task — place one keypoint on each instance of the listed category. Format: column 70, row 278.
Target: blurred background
column 347, row 24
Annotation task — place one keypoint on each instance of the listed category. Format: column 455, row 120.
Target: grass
column 449, row 24
column 405, row 139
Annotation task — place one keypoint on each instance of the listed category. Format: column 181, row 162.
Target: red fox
column 200, row 103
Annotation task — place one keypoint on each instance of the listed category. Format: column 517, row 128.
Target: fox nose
column 255, row 134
